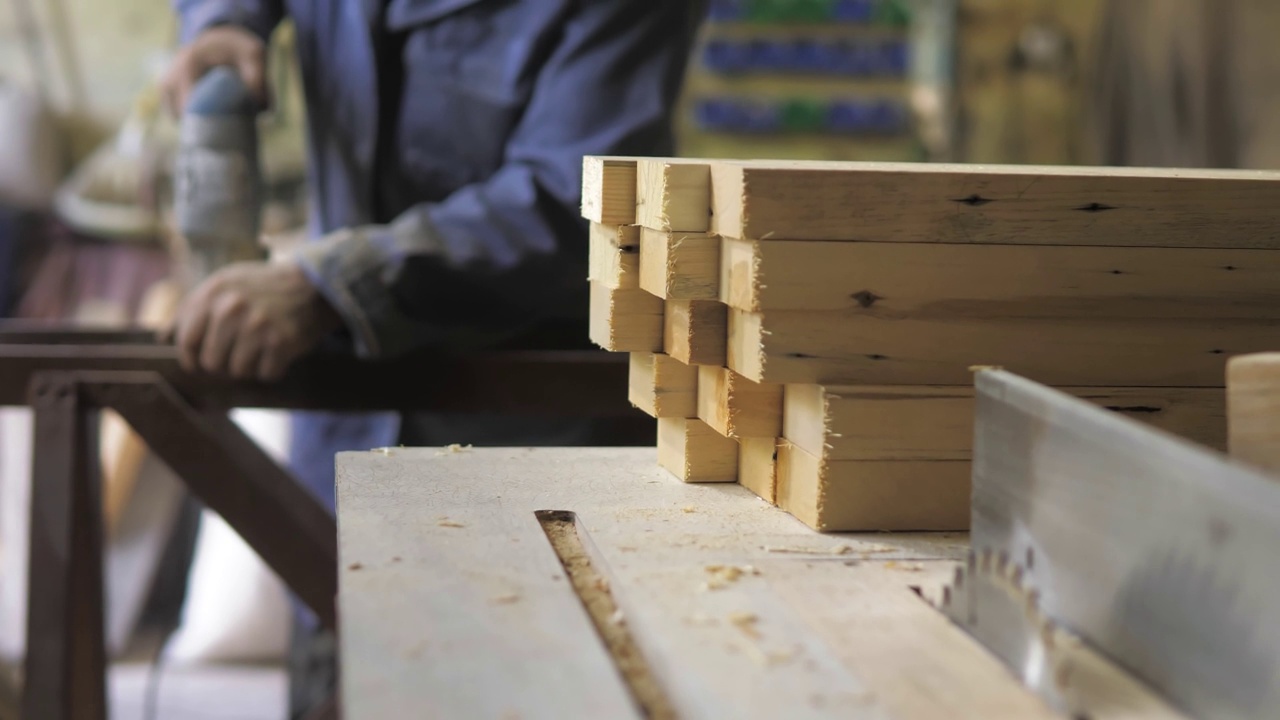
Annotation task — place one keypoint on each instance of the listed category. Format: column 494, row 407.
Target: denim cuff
column 353, row 270
column 199, row 17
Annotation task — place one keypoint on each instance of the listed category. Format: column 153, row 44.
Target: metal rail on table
column 67, row 376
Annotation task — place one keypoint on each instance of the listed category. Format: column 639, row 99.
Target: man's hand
column 251, row 321
column 221, row 45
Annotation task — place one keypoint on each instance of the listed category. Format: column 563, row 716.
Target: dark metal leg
column 283, row 523
column 66, row 658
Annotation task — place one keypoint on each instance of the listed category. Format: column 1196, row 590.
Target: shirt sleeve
column 258, row 16
column 501, row 254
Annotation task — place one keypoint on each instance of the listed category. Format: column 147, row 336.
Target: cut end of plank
column 609, row 190
column 673, row 194
column 625, row 320
column 614, row 255
column 662, row 386
column 740, row 274
column 680, row 265
column 746, row 350
column 694, row 453
column 757, row 463
column 695, row 332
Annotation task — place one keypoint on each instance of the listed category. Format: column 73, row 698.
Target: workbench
column 704, row 601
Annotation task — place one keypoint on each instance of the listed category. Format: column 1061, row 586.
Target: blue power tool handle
column 221, row 92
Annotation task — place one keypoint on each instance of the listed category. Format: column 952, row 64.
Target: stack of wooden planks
column 808, row 329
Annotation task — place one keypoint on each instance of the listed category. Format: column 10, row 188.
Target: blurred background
column 86, row 148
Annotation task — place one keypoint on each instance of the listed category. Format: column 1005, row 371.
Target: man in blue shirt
column 445, row 141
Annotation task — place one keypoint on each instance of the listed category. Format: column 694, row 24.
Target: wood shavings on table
column 454, row 449
column 723, row 576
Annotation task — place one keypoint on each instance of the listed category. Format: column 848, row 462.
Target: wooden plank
column 844, row 348
column 663, row 386
column 625, row 320
column 673, row 194
column 936, row 422
column 871, row 621
column 695, row 332
column 615, row 256
column 464, row 644
column 1018, row 205
column 824, row 630
column 757, row 464
column 694, row 453
column 737, row 407
column 680, row 265
column 1253, row 406
column 872, row 495
column 609, row 190
column 979, row 281
column 1144, row 544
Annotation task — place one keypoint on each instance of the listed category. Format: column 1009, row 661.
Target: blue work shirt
column 445, row 141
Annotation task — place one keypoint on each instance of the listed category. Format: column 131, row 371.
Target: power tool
column 217, row 173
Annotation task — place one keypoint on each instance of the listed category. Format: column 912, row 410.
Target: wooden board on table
column 1018, row 205
column 625, row 320
column 695, row 332
column 936, row 422
column 695, row 453
column 662, row 386
column 609, row 190
column 920, row 280
column 470, row 615
column 737, row 407
column 680, row 265
column 673, row 194
column 835, row 347
column 614, row 259
column 872, row 495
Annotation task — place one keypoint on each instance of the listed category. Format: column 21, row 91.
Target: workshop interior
column 886, row 359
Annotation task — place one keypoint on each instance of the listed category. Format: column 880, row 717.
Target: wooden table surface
column 454, row 604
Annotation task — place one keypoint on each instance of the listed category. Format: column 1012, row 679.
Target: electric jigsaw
column 217, row 175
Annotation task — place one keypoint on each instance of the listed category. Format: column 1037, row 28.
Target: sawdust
column 447, row 523
column 454, row 449
column 688, row 509
column 746, row 622
column 905, row 567
column 506, row 599
column 722, row 576
column 355, row 566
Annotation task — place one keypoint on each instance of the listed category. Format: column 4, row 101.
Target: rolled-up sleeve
column 258, row 16
column 503, row 253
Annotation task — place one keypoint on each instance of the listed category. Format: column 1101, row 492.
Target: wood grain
column 872, row 495
column 615, row 256
column 737, row 407
column 757, row 466
column 663, row 386
column 460, row 620
column 694, row 453
column 625, row 320
column 852, row 348
column 680, row 265
column 1018, row 205
column 609, row 190
column 936, row 422
column 1253, row 409
column 892, row 280
column 673, row 194
column 695, row 332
